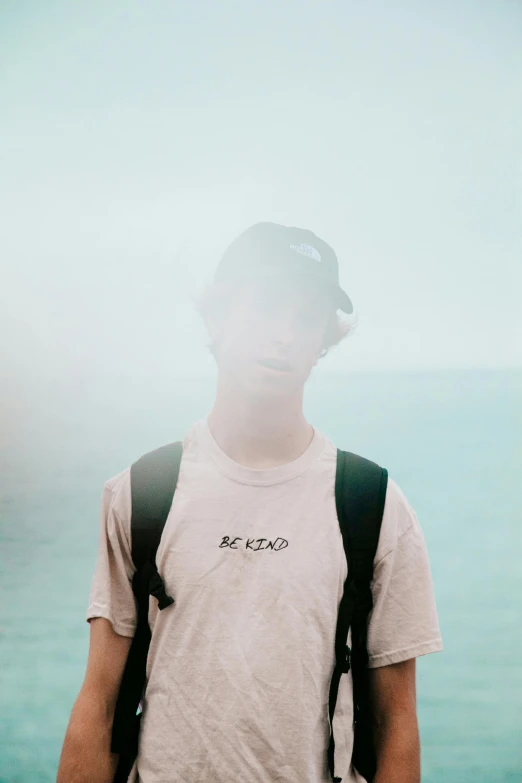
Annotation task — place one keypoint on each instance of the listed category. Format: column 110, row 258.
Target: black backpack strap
column 360, row 492
column 153, row 482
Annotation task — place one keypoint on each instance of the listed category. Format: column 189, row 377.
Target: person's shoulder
column 398, row 519
column 117, row 490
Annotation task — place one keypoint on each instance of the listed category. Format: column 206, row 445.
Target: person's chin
column 265, row 381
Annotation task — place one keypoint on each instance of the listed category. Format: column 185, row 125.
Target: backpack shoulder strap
column 153, row 482
column 360, row 493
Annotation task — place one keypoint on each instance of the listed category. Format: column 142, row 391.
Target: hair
column 215, row 299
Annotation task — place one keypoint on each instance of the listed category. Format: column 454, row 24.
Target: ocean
column 451, row 440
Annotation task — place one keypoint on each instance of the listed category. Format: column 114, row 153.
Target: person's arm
column 396, row 730
column 403, row 626
column 86, row 755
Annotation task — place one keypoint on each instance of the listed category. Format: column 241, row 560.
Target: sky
column 138, row 139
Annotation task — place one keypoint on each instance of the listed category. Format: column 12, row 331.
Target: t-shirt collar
column 263, row 477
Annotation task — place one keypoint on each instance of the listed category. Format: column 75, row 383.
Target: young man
column 239, row 667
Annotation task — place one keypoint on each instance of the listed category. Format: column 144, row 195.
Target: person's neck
column 259, row 433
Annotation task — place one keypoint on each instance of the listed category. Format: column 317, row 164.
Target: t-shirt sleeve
column 111, row 594
column 404, row 621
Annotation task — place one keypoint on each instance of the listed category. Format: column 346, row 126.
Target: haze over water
column 138, row 141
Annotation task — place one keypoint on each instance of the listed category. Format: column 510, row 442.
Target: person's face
column 281, row 320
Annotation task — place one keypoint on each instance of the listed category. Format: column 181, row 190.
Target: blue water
column 451, row 440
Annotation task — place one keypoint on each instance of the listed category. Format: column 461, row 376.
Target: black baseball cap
column 267, row 246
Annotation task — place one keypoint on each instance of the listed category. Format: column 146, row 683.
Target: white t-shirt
column 239, row 667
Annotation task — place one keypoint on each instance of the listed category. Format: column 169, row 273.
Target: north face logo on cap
column 307, row 250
